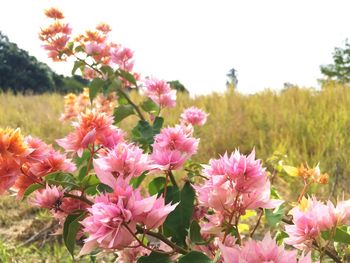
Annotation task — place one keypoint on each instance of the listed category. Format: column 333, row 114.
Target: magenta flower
column 160, row 92
column 194, row 116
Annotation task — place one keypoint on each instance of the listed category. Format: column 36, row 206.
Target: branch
column 126, row 96
column 172, row 178
column 163, row 239
column 81, row 198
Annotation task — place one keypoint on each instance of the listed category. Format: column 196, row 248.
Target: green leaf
column 143, row 134
column 194, row 257
column 95, row 87
column 103, row 188
column 122, row 112
column 107, row 70
column 280, row 236
column 157, row 125
column 149, row 106
column 156, row 185
column 154, row 258
column 79, row 49
column 127, row 75
column 178, row 222
column 70, row 229
column 70, row 45
column 66, row 180
column 31, row 189
column 195, row 233
column 274, row 216
column 77, row 64
column 84, row 158
column 341, row 236
column 136, row 182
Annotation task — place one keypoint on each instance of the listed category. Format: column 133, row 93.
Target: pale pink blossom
column 194, row 116
column 176, row 138
column 113, row 218
column 125, row 160
column 94, row 48
column 123, row 57
column 160, row 92
column 260, row 251
column 50, row 197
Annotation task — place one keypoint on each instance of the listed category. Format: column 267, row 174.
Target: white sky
column 197, row 42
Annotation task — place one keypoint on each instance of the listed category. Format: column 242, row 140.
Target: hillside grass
column 307, row 125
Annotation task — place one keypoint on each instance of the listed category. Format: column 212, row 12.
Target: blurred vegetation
column 22, row 73
column 296, row 125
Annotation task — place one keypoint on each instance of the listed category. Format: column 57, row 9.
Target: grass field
column 305, row 124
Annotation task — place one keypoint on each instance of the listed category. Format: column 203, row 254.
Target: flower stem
column 257, row 223
column 81, row 198
column 163, row 239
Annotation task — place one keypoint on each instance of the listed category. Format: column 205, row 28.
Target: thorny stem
column 163, row 239
column 257, row 223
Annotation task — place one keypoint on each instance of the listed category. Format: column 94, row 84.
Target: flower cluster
column 234, row 184
column 160, row 92
column 25, row 161
column 113, row 217
column 193, row 116
column 173, row 146
column 92, row 129
column 311, row 217
column 261, row 251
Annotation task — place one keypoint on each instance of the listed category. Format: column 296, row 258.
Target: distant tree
column 340, row 69
column 22, row 73
column 175, row 84
column 232, row 80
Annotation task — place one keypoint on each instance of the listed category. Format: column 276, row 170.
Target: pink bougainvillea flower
column 50, row 197
column 194, row 116
column 123, row 57
column 260, row 251
column 311, row 217
column 176, row 138
column 172, row 147
column 160, row 92
column 125, row 160
column 92, row 128
column 9, row 172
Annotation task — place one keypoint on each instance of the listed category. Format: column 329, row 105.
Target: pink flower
column 92, row 128
column 160, row 92
column 52, row 163
column 123, row 57
column 50, row 197
column 94, row 48
column 124, row 160
column 176, row 138
column 156, row 213
column 106, row 228
column 194, row 116
column 260, row 251
column 311, row 217
column 9, row 172
column 172, row 147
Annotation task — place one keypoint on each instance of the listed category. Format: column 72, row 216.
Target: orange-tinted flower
column 54, row 13
column 104, row 28
column 12, row 143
